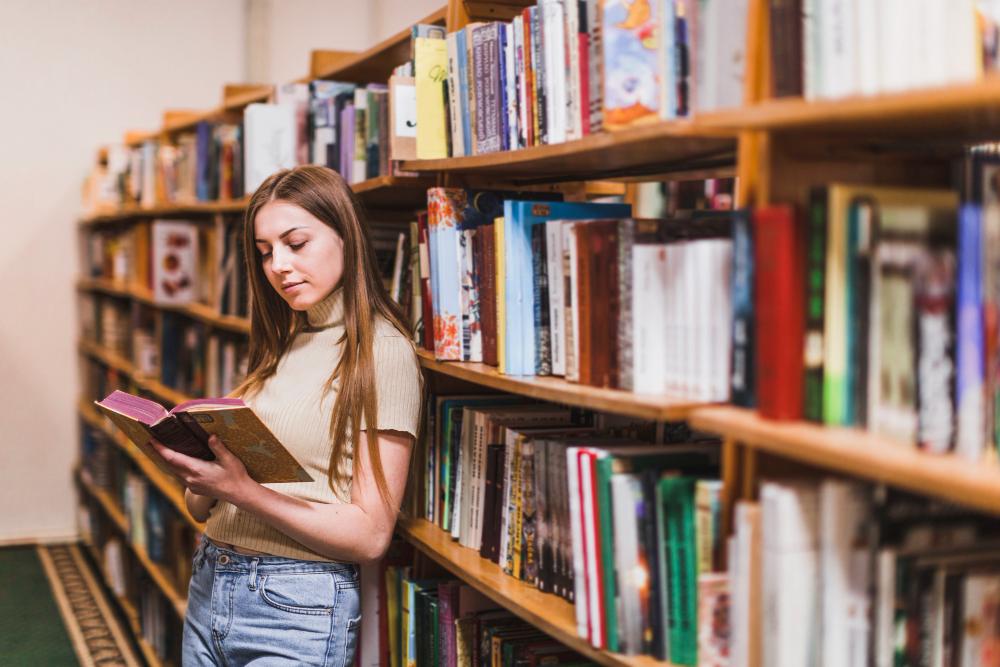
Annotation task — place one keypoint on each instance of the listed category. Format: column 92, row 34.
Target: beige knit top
column 293, row 405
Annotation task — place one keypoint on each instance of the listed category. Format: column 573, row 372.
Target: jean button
column 223, row 559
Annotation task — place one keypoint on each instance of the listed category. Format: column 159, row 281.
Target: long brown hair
column 273, row 324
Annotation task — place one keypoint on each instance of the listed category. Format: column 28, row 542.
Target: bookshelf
column 778, row 147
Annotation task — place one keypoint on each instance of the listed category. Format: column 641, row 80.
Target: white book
column 397, row 269
column 720, row 319
column 477, row 485
column 790, row 554
column 554, row 267
column 936, row 18
column 961, row 43
column 470, row 440
column 885, row 609
column 269, row 142
column 592, row 573
column 580, row 602
column 456, row 509
column 573, row 323
column 688, row 317
column 672, row 319
column 703, row 289
column 838, row 51
column 554, row 48
column 572, row 23
column 508, row 501
column 811, row 70
column 649, row 316
column 510, row 82
column 869, row 55
column 148, row 189
column 626, row 491
column 454, row 99
column 297, row 96
column 706, row 25
column 666, row 47
column 843, row 512
column 897, row 36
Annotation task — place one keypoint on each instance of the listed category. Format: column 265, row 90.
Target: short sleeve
column 398, row 383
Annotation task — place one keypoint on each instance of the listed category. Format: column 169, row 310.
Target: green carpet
column 31, row 629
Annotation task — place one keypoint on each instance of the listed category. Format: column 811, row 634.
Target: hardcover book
column 631, row 71
column 187, row 427
column 175, row 261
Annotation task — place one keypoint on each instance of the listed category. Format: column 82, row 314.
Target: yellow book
column 501, row 299
column 187, row 427
column 431, row 56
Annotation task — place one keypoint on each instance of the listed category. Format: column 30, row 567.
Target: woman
column 333, row 374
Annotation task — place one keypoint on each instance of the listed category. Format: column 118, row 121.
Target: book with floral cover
column 187, row 427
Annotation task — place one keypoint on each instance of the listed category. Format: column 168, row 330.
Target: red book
column 779, row 257
column 425, row 282
column 584, row 47
column 488, row 293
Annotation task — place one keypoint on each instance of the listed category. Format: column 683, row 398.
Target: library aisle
column 700, row 301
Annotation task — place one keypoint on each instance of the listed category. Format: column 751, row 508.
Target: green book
column 675, row 499
column 696, row 459
column 435, row 634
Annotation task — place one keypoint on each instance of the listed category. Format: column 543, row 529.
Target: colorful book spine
column 743, row 380
column 969, row 353
column 543, row 331
column 677, row 504
column 630, row 63
column 431, row 70
column 442, row 223
column 488, row 87
column 462, row 59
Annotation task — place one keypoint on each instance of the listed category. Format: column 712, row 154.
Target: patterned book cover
column 489, row 88
column 714, row 630
column 631, row 72
column 187, row 429
column 542, row 322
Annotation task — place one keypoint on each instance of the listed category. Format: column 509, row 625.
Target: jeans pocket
column 306, row 593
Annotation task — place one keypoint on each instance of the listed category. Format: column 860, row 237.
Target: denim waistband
column 227, row 559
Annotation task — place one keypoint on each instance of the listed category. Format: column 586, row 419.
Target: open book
column 187, row 427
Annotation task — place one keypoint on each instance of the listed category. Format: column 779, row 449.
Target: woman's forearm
column 343, row 532
column 198, row 506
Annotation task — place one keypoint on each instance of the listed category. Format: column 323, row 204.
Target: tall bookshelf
column 778, row 148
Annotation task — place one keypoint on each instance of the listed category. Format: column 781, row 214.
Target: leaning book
column 187, row 427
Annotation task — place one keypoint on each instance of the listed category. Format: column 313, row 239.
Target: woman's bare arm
column 199, row 506
column 357, row 532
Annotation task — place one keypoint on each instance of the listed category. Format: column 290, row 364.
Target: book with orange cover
column 187, row 427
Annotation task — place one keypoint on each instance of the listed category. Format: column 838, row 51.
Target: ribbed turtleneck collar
column 329, row 312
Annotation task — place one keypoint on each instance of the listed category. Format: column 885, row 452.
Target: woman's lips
column 291, row 287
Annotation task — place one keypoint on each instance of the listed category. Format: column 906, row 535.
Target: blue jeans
column 270, row 611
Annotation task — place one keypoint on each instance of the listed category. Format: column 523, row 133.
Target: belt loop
column 253, row 574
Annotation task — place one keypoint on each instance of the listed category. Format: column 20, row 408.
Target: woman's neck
column 329, row 312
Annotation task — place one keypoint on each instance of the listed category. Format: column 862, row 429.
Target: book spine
column 575, row 512
column 486, row 75
column 969, row 355
column 779, row 317
column 582, row 45
column 528, row 570
column 455, row 96
column 474, row 94
column 462, row 81
column 582, row 307
column 538, row 63
column 544, row 506
column 543, row 331
column 625, row 333
column 554, row 265
column 743, row 379
column 528, row 55
column 653, row 538
column 425, row 282
column 679, row 506
column 596, row 73
column 571, row 297
column 606, row 566
column 786, row 47
column 520, row 83
column 489, row 295
column 815, row 299
column 506, row 84
column 490, row 501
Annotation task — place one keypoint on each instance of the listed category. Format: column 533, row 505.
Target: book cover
column 358, row 141
column 431, row 69
column 270, row 133
column 174, row 269
column 463, row 99
column 500, row 273
column 454, row 95
column 714, row 633
column 631, row 604
column 676, row 499
column 969, row 350
column 630, row 62
column 816, row 237
column 297, row 96
column 188, row 426
column 554, row 40
column 555, row 279
column 786, row 47
column 493, row 489
column 540, row 299
column 539, row 74
column 403, row 113
column 488, row 292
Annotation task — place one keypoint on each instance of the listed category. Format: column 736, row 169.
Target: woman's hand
column 224, row 478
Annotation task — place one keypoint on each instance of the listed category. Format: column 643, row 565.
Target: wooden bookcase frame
column 778, row 148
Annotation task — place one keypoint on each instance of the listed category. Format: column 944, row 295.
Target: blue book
column 742, row 374
column 969, row 353
column 203, row 162
column 463, row 86
column 668, row 52
column 519, row 217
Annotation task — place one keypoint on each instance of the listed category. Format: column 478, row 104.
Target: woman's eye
column 264, row 255
column 296, row 246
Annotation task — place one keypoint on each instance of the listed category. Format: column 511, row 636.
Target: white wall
column 75, row 75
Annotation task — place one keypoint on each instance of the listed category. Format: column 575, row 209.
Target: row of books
column 840, row 48
column 542, row 288
column 838, row 573
column 893, row 295
column 426, row 619
column 159, row 625
column 564, row 69
column 153, row 524
column 585, row 512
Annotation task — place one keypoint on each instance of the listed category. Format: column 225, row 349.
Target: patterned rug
column 44, row 584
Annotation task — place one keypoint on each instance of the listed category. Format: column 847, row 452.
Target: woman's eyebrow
column 286, row 233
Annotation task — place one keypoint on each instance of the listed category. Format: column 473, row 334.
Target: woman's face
column 302, row 257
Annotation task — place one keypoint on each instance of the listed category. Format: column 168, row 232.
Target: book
column 270, row 140
column 174, row 266
column 187, row 427
column 630, row 63
column 431, row 69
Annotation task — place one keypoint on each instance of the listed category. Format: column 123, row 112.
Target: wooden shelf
column 381, row 192
column 547, row 612
column 124, row 366
column 168, row 486
column 197, row 311
column 156, row 571
column 860, row 454
column 958, row 110
column 655, row 148
column 376, row 64
column 558, row 390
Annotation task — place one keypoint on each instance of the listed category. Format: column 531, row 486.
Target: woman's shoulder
column 391, row 341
